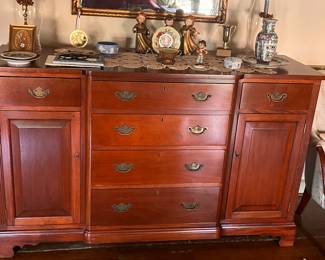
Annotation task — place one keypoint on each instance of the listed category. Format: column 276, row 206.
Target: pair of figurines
column 188, row 33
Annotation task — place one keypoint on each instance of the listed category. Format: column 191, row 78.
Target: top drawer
column 276, row 97
column 151, row 97
column 34, row 92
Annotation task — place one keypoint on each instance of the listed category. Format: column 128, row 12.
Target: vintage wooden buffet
column 128, row 156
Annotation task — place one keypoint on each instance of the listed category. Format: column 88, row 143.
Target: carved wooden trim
column 221, row 18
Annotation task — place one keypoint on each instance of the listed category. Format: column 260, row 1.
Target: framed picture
column 204, row 10
column 22, row 38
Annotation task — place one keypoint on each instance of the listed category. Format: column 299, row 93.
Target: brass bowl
column 167, row 55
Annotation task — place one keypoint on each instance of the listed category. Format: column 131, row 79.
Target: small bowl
column 167, row 55
column 233, row 63
column 107, row 48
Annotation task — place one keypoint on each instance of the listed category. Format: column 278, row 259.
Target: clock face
column 23, row 40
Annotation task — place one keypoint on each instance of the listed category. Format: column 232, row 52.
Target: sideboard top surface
column 39, row 69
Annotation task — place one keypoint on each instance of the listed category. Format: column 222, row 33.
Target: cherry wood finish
column 152, row 207
column 275, row 97
column 264, row 166
column 150, row 97
column 181, row 168
column 249, row 141
column 59, row 92
column 42, row 166
column 165, row 130
column 3, row 218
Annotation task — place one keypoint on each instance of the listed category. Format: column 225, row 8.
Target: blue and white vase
column 266, row 42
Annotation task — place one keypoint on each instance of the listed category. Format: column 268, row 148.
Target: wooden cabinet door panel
column 266, row 153
column 44, row 173
column 3, row 216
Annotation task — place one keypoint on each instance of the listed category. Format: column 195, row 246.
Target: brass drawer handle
column 190, row 205
column 121, row 207
column 125, row 95
column 125, row 130
column 194, row 167
column 277, row 97
column 198, row 130
column 201, row 96
column 124, row 167
column 39, row 92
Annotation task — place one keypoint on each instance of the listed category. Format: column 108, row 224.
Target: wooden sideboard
column 130, row 156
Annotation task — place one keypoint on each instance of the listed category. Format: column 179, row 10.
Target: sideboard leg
column 287, row 240
column 6, row 250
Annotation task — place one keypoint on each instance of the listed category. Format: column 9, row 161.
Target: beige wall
column 300, row 26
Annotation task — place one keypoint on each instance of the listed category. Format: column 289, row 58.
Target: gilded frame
column 220, row 18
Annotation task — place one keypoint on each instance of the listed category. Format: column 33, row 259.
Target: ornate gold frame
column 221, row 18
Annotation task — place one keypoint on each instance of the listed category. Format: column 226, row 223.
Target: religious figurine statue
column 189, row 34
column 201, row 51
column 143, row 43
column 169, row 21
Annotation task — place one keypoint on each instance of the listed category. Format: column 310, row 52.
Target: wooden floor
column 310, row 245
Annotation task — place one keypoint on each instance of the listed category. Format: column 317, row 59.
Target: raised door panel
column 45, row 167
column 264, row 166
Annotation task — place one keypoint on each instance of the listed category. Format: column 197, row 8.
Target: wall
column 300, row 26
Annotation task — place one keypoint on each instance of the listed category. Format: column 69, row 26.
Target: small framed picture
column 22, row 38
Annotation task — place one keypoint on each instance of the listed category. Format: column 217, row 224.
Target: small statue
column 201, row 51
column 169, row 21
column 189, row 34
column 142, row 43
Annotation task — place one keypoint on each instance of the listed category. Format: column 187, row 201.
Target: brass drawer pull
column 201, row 96
column 39, row 92
column 193, row 167
column 121, row 207
column 198, row 130
column 124, row 167
column 125, row 130
column 190, row 205
column 277, row 97
column 125, row 95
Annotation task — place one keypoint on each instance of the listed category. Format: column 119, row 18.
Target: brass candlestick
column 25, row 4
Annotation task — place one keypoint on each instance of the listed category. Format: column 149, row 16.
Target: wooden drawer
column 135, row 97
column 118, row 168
column 123, row 207
column 52, row 92
column 147, row 130
column 275, row 97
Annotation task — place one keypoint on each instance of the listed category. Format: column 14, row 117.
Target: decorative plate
column 18, row 55
column 166, row 37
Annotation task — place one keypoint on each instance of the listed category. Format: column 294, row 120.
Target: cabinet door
column 41, row 165
column 3, row 216
column 267, row 150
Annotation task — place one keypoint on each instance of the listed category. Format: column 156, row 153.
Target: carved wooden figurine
column 143, row 43
column 189, row 34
